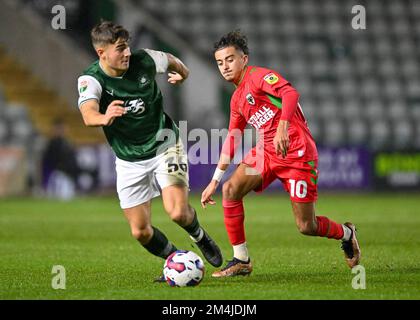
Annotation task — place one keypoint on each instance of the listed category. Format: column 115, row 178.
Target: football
column 183, row 268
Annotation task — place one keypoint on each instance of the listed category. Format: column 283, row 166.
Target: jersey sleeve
column 160, row 58
column 237, row 124
column 269, row 81
column 275, row 85
column 88, row 88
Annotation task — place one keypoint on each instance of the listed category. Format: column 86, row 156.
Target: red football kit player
column 286, row 151
column 257, row 101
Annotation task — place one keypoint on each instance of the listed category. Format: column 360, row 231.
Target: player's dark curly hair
column 233, row 39
column 106, row 32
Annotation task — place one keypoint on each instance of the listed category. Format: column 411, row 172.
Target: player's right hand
column 114, row 110
column 281, row 140
column 175, row 78
column 206, row 196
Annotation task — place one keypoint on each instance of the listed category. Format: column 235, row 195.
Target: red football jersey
column 258, row 101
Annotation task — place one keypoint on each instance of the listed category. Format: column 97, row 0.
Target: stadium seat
column 412, row 88
column 347, row 89
column 286, row 7
column 312, row 26
column 331, row 7
column 400, row 26
column 392, row 88
column 378, row 26
column 414, row 111
column 304, row 87
column 380, row 134
column 335, row 28
column 328, row 109
column 351, row 109
column 334, row 134
column 384, row 48
column 397, row 111
column 362, row 48
column 402, row 133
column 406, row 46
column 374, row 109
column 357, row 131
column 416, row 140
column 320, row 68
column 309, row 8
column 316, row 128
column 387, row 67
column 370, row 87
column 344, row 68
column 309, row 109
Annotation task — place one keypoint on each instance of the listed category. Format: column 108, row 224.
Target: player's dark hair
column 106, row 32
column 233, row 39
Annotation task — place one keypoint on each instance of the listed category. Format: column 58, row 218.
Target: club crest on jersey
column 271, row 78
column 250, row 99
column 143, row 80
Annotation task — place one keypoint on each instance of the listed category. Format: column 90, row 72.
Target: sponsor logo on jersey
column 250, row 99
column 111, row 93
column 271, row 78
column 261, row 117
column 135, row 106
column 83, row 86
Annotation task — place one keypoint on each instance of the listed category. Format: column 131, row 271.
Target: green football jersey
column 145, row 129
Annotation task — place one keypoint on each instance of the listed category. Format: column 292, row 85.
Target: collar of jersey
column 248, row 68
column 103, row 71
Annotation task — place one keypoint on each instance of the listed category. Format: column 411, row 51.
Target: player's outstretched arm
column 93, row 118
column 207, row 195
column 178, row 71
column 236, row 127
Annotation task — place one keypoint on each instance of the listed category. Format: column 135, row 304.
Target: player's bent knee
column 180, row 216
column 142, row 235
column 306, row 228
column 230, row 191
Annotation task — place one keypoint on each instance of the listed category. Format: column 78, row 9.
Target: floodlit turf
column 91, row 239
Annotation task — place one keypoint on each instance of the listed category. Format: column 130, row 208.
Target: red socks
column 328, row 228
column 234, row 220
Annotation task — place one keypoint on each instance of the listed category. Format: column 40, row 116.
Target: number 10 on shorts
column 299, row 188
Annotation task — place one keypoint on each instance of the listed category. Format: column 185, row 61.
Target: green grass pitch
column 91, row 239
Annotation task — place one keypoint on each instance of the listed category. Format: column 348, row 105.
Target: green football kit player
column 119, row 93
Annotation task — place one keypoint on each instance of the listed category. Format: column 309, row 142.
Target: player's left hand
column 281, row 139
column 175, row 78
column 206, row 196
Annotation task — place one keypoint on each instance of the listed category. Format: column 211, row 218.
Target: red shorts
column 299, row 178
